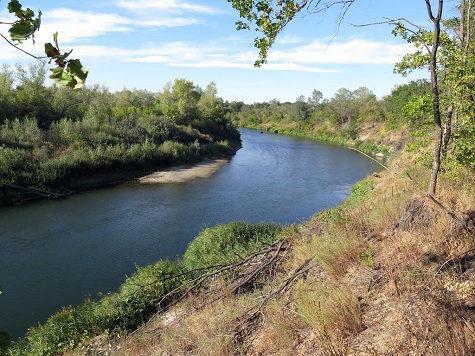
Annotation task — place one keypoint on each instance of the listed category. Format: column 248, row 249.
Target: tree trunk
column 435, row 96
column 447, row 130
column 436, row 161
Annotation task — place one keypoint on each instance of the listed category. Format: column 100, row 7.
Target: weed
column 366, row 258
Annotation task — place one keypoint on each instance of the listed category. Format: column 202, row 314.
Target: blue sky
column 144, row 44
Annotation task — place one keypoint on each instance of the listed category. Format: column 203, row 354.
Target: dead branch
column 251, row 316
column 250, row 278
column 251, row 269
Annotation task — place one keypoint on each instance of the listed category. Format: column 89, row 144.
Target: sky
column 143, row 44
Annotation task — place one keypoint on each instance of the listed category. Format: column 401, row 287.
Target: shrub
column 224, row 243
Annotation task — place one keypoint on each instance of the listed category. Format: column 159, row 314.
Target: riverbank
column 389, row 271
column 184, row 173
column 376, row 267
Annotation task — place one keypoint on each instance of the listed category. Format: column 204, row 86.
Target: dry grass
column 416, row 297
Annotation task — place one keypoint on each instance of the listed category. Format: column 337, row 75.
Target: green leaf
column 14, row 7
column 51, row 51
column 77, row 70
column 55, row 39
column 62, row 78
column 21, row 31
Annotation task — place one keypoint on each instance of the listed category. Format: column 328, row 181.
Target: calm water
column 54, row 253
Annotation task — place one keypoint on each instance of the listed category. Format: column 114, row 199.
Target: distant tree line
column 342, row 113
column 339, row 119
column 52, row 136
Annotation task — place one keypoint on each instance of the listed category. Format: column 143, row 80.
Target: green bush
column 226, row 243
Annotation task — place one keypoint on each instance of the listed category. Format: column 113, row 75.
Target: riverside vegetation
column 389, row 271
column 54, row 140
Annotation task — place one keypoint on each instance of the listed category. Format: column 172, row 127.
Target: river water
column 55, row 253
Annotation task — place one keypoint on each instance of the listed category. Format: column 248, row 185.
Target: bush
column 223, row 244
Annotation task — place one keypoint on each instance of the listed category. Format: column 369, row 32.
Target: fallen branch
column 256, row 310
column 364, row 154
column 257, row 264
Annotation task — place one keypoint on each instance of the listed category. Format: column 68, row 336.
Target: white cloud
column 296, row 67
column 343, row 52
column 171, row 6
column 288, row 39
column 227, row 54
column 212, row 64
column 230, row 64
column 75, row 25
column 170, row 22
column 7, row 52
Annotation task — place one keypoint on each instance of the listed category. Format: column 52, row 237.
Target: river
column 55, row 253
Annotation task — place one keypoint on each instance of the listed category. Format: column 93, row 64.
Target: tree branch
column 20, row 49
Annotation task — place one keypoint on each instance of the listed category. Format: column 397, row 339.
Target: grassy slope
column 390, row 273
column 387, row 272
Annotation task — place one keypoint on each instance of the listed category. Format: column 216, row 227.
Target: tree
column 301, row 108
column 210, row 106
column 401, row 94
column 68, row 72
column 344, row 107
column 178, row 101
column 315, row 99
column 367, row 104
column 459, row 79
column 269, row 19
column 429, row 42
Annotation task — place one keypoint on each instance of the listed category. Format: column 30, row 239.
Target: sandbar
column 185, row 173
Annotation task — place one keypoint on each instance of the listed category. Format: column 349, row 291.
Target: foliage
column 446, row 56
column 366, row 258
column 401, row 95
column 142, row 294
column 53, row 136
column 270, row 17
column 68, row 72
column 448, row 53
column 227, row 243
column 360, row 190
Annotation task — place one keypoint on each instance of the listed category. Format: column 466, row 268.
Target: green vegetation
column 389, row 265
column 228, row 243
column 350, row 118
column 52, row 139
column 145, row 292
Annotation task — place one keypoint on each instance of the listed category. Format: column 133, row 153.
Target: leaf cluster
column 67, row 72
column 26, row 25
column 268, row 18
